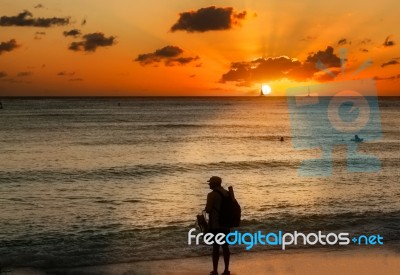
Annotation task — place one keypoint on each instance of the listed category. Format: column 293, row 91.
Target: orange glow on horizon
column 43, row 65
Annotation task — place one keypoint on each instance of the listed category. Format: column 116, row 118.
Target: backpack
column 230, row 212
column 202, row 222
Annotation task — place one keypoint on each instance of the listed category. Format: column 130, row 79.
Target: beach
column 258, row 263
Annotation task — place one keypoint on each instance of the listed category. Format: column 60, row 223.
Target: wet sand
column 276, row 262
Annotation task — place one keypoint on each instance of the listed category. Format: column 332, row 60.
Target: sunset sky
column 176, row 47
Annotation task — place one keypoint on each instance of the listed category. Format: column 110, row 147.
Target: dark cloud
column 307, row 38
column 70, row 76
column 180, row 60
column 2, row 74
column 8, row 46
column 168, row 51
column 171, row 55
column 39, row 35
column 208, row 19
column 25, row 18
column 66, row 74
column 73, row 32
column 24, row 74
column 75, row 46
column 15, row 81
column 327, row 57
column 92, row 41
column 388, row 42
column 393, row 77
column 274, row 68
column 391, row 62
column 39, row 6
column 364, row 50
column 366, row 41
column 343, row 41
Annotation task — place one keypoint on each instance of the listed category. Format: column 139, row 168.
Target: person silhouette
column 213, row 208
column 357, row 138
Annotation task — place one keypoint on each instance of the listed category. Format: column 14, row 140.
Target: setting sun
column 265, row 89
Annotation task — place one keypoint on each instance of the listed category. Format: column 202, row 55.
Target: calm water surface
column 85, row 181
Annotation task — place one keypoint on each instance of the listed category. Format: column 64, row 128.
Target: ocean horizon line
column 157, row 96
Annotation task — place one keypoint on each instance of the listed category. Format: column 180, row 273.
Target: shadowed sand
column 277, row 262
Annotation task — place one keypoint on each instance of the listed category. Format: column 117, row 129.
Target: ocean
column 87, row 181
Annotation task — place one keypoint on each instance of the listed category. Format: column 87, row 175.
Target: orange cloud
column 275, row 68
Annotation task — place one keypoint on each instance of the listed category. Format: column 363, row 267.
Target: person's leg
column 215, row 257
column 227, row 253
